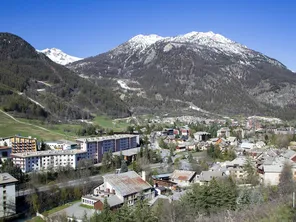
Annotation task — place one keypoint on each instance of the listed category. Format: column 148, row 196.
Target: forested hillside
column 33, row 86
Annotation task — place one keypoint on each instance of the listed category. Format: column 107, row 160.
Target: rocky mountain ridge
column 207, row 70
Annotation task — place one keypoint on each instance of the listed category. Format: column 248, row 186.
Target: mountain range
column 194, row 72
column 58, row 56
column 33, row 86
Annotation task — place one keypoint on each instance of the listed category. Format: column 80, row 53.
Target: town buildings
column 223, row 132
column 118, row 189
column 61, row 145
column 43, row 160
column 7, row 195
column 20, row 144
column 97, row 146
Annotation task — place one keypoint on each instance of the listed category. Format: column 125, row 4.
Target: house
column 128, row 187
column 163, row 180
column 128, row 155
column 202, row 136
column 183, row 178
column 7, row 197
column 160, row 190
column 232, row 141
column 206, row 176
column 97, row 200
column 247, row 146
column 185, row 131
column 223, row 132
column 260, row 144
column 271, row 174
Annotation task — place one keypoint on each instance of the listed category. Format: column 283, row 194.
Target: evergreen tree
column 286, row 183
column 170, row 161
column 190, row 157
column 124, row 214
column 252, row 176
column 106, row 214
column 124, row 167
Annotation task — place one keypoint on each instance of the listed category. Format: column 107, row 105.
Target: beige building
column 20, row 144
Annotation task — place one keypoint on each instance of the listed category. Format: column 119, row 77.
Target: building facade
column 20, row 144
column 50, row 159
column 5, row 152
column 7, row 195
column 97, row 146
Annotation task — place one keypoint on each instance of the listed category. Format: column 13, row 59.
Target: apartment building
column 97, row 146
column 20, row 144
column 7, row 195
column 50, row 159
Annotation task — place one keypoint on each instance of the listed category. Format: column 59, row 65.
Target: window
column 4, row 191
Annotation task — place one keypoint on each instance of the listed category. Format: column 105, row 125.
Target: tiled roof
column 183, row 175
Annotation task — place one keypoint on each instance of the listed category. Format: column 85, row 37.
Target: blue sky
column 85, row 28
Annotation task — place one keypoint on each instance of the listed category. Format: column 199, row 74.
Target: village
column 155, row 164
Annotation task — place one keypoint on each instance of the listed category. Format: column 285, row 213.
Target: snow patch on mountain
column 58, row 56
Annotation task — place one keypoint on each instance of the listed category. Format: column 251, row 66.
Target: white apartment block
column 7, row 195
column 50, row 159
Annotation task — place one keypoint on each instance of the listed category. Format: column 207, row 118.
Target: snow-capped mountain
column 203, row 68
column 58, row 56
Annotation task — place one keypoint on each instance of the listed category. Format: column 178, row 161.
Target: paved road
column 72, row 183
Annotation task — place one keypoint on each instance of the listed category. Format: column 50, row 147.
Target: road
column 98, row 179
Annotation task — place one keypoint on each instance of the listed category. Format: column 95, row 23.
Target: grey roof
column 289, row 153
column 272, row 168
column 161, row 175
column 209, row 175
column 202, row 133
column 7, row 178
column 129, row 152
column 127, row 183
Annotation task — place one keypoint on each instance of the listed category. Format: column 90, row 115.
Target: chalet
column 206, row 176
column 183, row 178
column 127, row 187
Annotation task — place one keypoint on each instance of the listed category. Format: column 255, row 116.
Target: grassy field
column 106, row 122
column 9, row 127
column 59, row 208
column 39, row 130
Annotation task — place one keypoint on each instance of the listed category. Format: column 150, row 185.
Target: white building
column 61, row 145
column 223, row 132
column 43, row 160
column 271, row 174
column 7, row 195
column 127, row 187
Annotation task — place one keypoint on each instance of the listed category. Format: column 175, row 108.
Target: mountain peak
column 58, row 56
column 143, row 41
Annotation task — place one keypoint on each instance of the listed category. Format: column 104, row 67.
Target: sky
column 87, row 27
